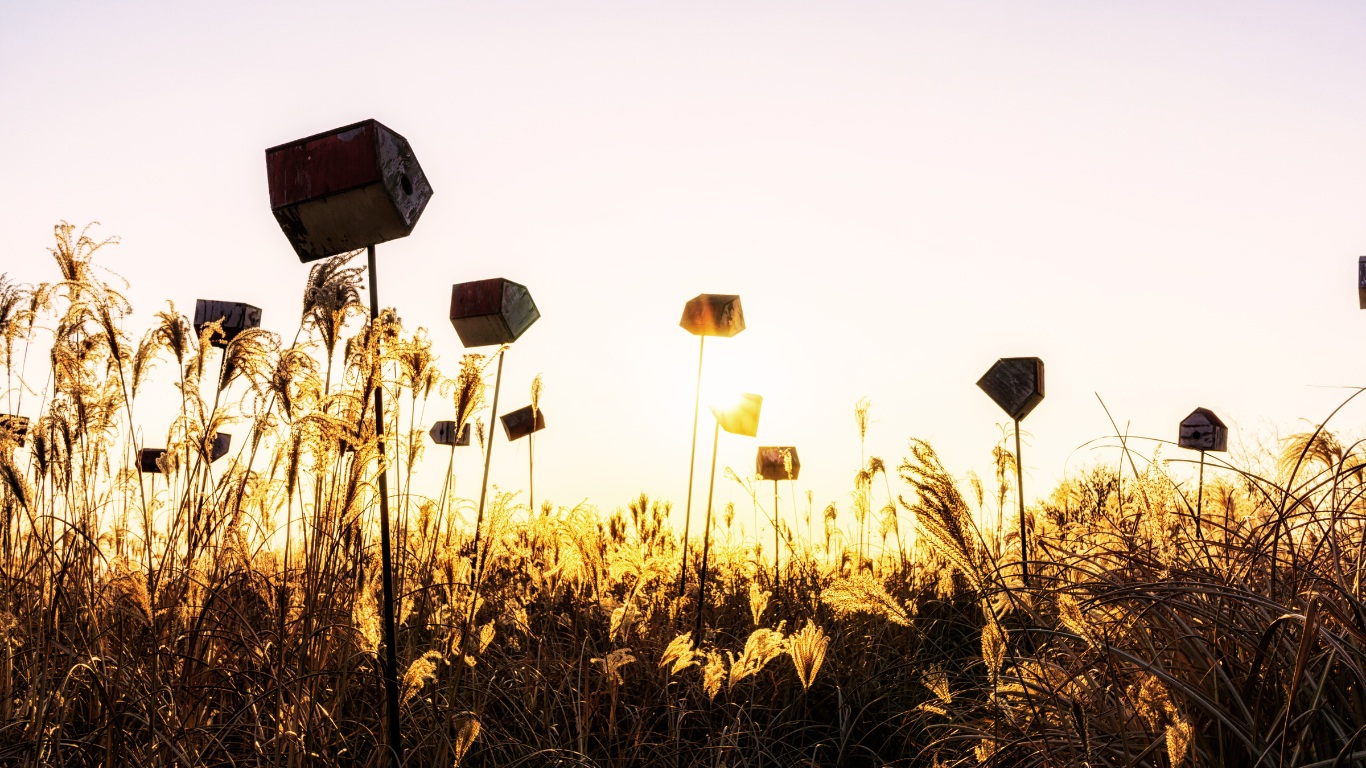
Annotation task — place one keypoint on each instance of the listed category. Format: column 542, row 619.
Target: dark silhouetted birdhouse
column 520, row 423
column 1015, row 384
column 777, row 463
column 235, row 316
column 1203, row 431
column 221, row 442
column 741, row 417
column 148, row 459
column 443, row 433
column 713, row 314
column 14, row 428
column 345, row 189
column 495, row 311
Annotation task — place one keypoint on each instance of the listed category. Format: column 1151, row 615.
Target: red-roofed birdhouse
column 713, row 314
column 1015, row 384
column 496, row 311
column 777, row 463
column 345, row 189
column 1203, row 431
column 234, row 315
column 520, row 423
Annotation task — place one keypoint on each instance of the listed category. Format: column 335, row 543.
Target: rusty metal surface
column 777, row 462
column 713, row 314
column 443, row 433
column 495, row 311
column 344, row 189
column 1203, row 431
column 14, row 429
column 1015, row 384
column 742, row 418
column 236, row 317
column 519, row 423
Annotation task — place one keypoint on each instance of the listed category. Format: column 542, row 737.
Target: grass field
column 228, row 613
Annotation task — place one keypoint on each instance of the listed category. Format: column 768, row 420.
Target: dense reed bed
column 227, row 613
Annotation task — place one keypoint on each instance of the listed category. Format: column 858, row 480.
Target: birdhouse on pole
column 1015, row 384
column 443, row 433
column 713, row 314
column 150, row 460
column 344, row 189
column 234, row 316
column 522, row 422
column 777, row 463
column 219, row 448
column 14, row 428
column 496, row 311
column 1361, row 281
column 741, row 418
column 1203, row 431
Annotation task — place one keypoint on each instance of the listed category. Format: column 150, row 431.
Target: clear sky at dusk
column 1164, row 201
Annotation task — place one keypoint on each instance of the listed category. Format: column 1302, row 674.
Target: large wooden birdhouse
column 777, row 462
column 443, row 433
column 344, row 189
column 1015, row 384
column 496, row 311
column 234, row 316
column 713, row 314
column 522, row 422
column 1203, row 431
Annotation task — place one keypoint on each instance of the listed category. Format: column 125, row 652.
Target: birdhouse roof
column 1203, row 416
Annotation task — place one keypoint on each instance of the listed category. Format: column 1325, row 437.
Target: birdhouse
column 14, row 428
column 713, row 314
column 221, row 442
column 1361, row 281
column 345, row 189
column 520, row 423
column 741, row 418
column 1015, row 384
column 1203, row 431
column 234, row 315
column 777, row 463
column 443, row 433
column 496, row 311
column 149, row 458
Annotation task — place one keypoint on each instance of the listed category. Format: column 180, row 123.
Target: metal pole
column 386, row 561
column 1019, row 486
column 531, row 466
column 775, row 536
column 706, row 541
column 692, row 461
column 1200, row 499
column 488, row 460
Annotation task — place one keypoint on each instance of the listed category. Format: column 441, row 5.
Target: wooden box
column 443, row 433
column 1015, row 384
column 713, row 314
column 495, row 311
column 1203, row 431
column 344, row 189
column 519, row 423
column 775, row 462
column 235, row 315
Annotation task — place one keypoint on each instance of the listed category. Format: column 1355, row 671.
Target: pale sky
column 1164, row 201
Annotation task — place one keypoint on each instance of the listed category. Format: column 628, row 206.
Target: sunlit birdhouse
column 1361, row 281
column 713, row 314
column 777, row 463
column 496, row 311
column 443, row 433
column 1203, row 431
column 345, row 189
column 234, row 315
column 520, row 423
column 149, row 460
column 14, row 429
column 740, row 417
column 1015, row 384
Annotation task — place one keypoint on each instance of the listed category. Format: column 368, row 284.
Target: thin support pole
column 692, row 461
column 531, row 466
column 386, row 558
column 775, row 536
column 488, row 460
column 706, row 541
column 1019, row 486
column 1200, row 499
